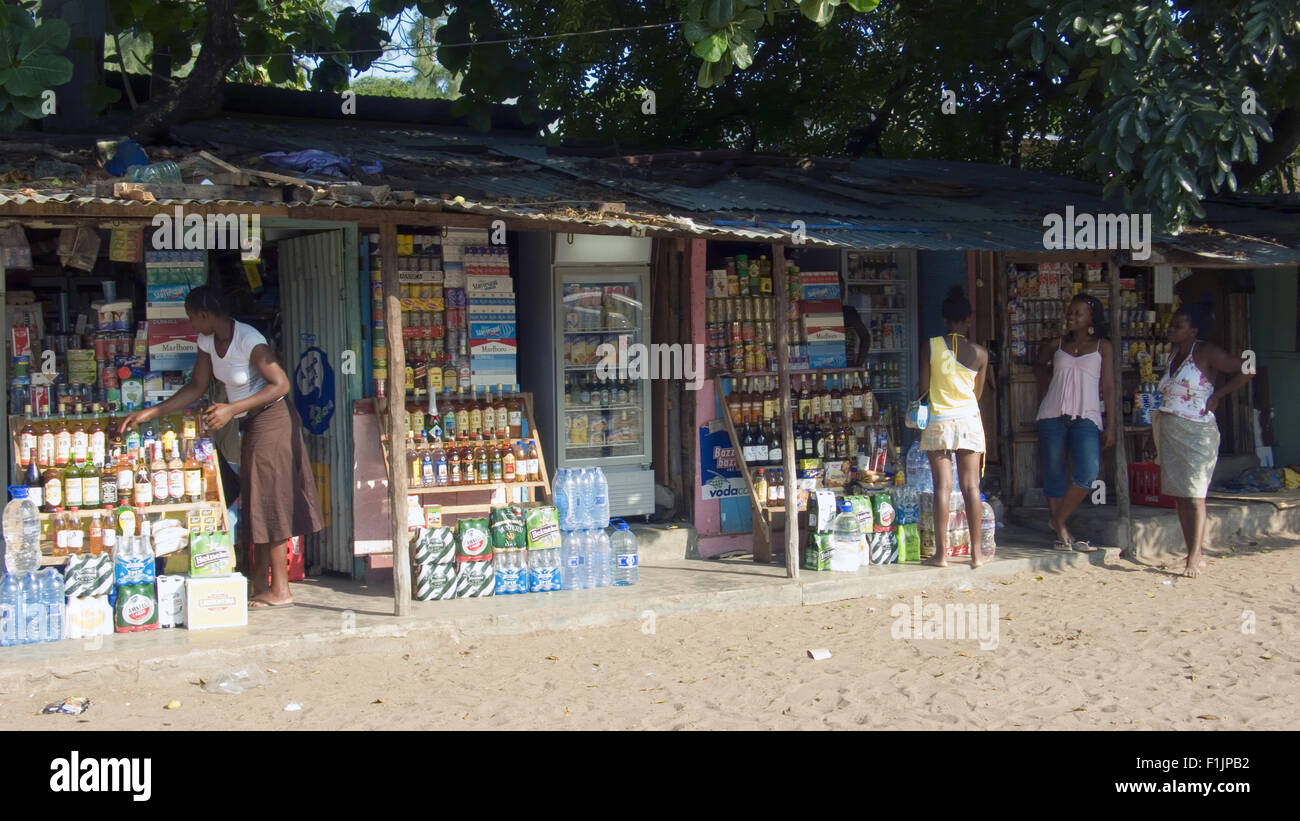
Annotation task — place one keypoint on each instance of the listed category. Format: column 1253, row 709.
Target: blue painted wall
column 937, row 271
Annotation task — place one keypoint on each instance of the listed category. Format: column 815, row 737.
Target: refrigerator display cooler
column 590, row 319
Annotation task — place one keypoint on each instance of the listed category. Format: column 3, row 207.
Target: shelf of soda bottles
column 472, row 488
column 181, row 507
column 748, row 374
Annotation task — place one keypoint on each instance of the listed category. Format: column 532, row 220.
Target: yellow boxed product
column 216, row 602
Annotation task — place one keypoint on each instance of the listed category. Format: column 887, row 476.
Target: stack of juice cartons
column 493, row 343
column 173, row 342
column 823, row 319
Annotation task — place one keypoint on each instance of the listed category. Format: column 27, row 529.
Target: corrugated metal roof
column 866, row 203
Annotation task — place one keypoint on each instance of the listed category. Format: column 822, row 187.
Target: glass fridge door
column 603, row 319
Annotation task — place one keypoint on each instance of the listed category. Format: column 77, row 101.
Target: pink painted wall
column 708, row 516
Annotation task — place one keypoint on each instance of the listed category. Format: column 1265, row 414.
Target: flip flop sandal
column 258, row 604
column 1084, row 547
column 1060, row 545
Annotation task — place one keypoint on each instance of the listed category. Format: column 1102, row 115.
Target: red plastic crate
column 1144, row 486
column 297, row 562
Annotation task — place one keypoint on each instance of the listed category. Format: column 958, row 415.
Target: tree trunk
column 200, row 93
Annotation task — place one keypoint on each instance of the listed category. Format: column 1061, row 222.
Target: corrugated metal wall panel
column 320, row 308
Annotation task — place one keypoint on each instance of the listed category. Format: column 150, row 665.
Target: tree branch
column 200, row 93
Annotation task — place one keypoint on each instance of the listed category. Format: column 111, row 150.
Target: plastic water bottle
column 590, row 573
column 561, row 498
column 604, row 558
column 11, row 610
column 846, row 540
column 625, row 562
column 33, row 624
column 988, row 526
column 601, row 503
column 570, row 562
column 587, row 497
column 22, row 533
column 51, row 585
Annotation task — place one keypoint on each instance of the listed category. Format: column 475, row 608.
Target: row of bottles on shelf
column 835, row 397
column 86, row 436
column 589, row 391
column 816, row 439
column 489, row 461
column 460, row 416
column 138, row 475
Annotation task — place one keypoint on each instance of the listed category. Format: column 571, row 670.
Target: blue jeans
column 1083, row 441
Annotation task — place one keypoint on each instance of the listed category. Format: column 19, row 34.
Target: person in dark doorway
column 1070, row 418
column 1186, row 430
column 853, row 324
column 277, row 492
column 953, row 376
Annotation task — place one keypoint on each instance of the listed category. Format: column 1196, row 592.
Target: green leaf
column 705, row 77
column 29, row 107
column 38, row 72
column 11, row 120
column 742, row 55
column 695, row 32
column 863, row 5
column 100, row 97
column 819, row 11
column 1124, row 160
column 712, row 49
column 51, row 35
column 751, row 19
column 1038, row 48
column 719, row 13
column 1185, row 178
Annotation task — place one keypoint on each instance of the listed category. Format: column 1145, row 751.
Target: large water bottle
column 51, row 585
column 601, row 505
column 624, row 544
column 570, row 561
column 587, row 498
column 846, row 540
column 988, row 526
column 11, row 610
column 22, row 533
column 33, row 624
column 565, row 504
column 590, row 561
column 604, row 558
column 913, row 464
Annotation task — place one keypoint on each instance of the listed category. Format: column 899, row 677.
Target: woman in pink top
column 1186, row 430
column 1070, row 419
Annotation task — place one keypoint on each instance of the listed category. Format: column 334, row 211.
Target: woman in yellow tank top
column 953, row 375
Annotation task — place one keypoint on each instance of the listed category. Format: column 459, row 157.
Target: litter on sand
column 69, row 706
column 820, row 654
column 292, row 707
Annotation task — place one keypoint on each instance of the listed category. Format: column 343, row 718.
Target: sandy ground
column 1098, row 647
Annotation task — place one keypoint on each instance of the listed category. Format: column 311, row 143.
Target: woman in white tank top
column 1186, row 430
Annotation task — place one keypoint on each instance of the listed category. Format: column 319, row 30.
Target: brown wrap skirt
column 277, row 491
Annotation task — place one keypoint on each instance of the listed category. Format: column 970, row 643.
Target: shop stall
column 848, row 386
column 95, row 329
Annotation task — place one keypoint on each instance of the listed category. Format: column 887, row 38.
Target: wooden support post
column 786, row 412
column 397, row 421
column 1121, row 445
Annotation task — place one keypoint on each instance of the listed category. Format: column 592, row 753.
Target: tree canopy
column 1167, row 103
